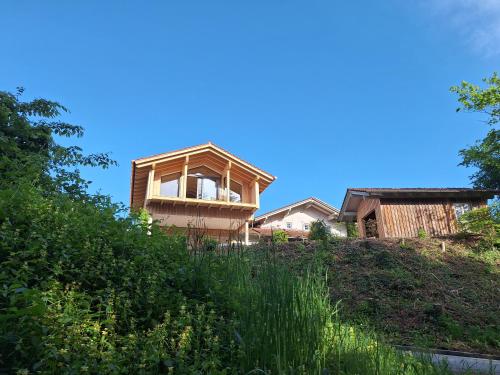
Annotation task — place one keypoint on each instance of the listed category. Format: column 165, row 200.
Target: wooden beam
column 228, row 181
column 257, row 193
column 183, row 187
column 247, row 242
column 151, row 179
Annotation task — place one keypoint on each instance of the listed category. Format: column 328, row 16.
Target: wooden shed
column 403, row 212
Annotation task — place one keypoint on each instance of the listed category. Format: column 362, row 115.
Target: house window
column 288, row 225
column 306, row 226
column 235, row 192
column 207, row 189
column 461, row 208
column 169, row 186
column 203, row 183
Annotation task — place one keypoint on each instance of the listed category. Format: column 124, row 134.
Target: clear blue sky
column 323, row 94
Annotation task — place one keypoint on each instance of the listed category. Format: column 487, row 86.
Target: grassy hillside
column 412, row 292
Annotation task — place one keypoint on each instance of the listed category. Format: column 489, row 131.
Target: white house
column 296, row 219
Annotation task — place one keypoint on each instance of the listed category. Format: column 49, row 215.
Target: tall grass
column 286, row 324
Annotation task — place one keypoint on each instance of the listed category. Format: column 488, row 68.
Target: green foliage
column 485, row 154
column 319, row 231
column 481, row 222
column 29, row 152
column 209, row 244
column 352, row 230
column 421, row 233
column 279, row 236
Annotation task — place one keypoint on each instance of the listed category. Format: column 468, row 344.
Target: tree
column 484, row 154
column 30, row 153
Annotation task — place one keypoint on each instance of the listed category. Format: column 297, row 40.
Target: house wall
column 404, row 218
column 212, row 218
column 303, row 215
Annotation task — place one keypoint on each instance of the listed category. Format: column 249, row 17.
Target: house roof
column 207, row 152
column 205, row 146
column 309, row 201
column 354, row 196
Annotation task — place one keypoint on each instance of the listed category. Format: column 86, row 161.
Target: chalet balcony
column 201, row 186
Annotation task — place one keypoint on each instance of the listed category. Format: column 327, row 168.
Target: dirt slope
column 411, row 291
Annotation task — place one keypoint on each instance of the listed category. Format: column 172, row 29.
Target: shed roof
column 354, row 196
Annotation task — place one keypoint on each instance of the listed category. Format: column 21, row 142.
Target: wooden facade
column 202, row 187
column 402, row 213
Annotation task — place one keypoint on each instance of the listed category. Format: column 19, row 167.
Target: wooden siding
column 403, row 218
column 199, row 217
column 365, row 208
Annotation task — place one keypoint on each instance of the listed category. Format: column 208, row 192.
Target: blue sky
column 323, row 94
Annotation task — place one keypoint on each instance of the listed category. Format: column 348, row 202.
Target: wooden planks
column 404, row 218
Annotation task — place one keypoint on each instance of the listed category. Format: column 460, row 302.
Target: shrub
column 280, row 236
column 319, row 231
column 422, row 233
column 210, row 244
column 484, row 223
column 352, row 230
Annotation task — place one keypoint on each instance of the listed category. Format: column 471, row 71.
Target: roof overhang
column 354, row 196
column 207, row 147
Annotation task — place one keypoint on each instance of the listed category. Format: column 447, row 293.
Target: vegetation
column 87, row 289
column 279, row 236
column 411, row 291
column 352, row 230
column 485, row 154
column 319, row 231
column 422, row 233
column 484, row 223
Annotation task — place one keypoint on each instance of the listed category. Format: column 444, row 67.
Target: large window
column 208, row 188
column 169, row 186
column 203, row 183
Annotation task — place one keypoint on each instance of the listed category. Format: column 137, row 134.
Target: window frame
column 176, row 178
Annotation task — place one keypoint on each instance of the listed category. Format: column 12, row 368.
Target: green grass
column 412, row 294
column 287, row 324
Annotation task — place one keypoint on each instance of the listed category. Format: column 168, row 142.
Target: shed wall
column 404, row 218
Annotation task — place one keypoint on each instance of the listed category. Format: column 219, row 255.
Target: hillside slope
column 411, row 292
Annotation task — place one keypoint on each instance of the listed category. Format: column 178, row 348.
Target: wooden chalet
column 386, row 213
column 202, row 187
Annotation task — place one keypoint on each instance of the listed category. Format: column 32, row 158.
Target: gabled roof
column 309, row 201
column 354, row 196
column 209, row 146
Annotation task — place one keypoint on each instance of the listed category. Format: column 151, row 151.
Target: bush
column 352, row 230
column 279, row 236
column 210, row 244
column 484, row 223
column 319, row 231
column 421, row 233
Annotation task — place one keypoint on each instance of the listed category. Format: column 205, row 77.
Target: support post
column 247, row 242
column 183, row 189
column 257, row 194
column 228, row 182
column 151, row 181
